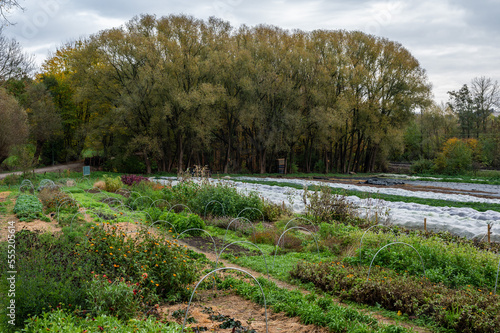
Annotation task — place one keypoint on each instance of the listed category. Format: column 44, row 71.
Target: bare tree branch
column 5, row 7
column 13, row 61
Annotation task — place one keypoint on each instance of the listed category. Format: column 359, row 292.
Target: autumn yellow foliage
column 458, row 155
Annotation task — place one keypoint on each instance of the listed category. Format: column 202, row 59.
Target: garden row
column 159, row 270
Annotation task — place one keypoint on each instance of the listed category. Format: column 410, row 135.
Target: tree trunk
column 262, row 160
column 148, row 162
column 38, row 151
column 228, row 155
column 327, row 162
column 180, row 165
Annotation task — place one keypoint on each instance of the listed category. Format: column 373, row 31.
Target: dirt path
column 233, row 307
column 75, row 165
column 223, row 263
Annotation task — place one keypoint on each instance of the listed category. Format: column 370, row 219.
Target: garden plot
column 465, row 222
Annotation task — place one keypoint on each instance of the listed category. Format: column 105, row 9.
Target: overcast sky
column 454, row 41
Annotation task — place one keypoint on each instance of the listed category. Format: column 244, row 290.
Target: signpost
column 86, row 170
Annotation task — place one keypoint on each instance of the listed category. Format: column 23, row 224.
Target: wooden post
column 376, row 217
column 489, row 233
column 425, row 224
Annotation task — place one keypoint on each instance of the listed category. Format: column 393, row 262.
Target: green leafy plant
column 222, row 199
column 310, row 310
column 423, row 166
column 112, row 184
column 114, row 298
column 52, row 197
column 50, row 274
column 159, row 266
column 453, row 309
column 67, row 321
column 456, row 156
column 28, row 208
column 183, row 221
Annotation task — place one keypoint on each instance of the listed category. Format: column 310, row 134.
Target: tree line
column 163, row 94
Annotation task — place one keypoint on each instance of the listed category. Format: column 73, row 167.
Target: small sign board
column 86, row 170
column 281, row 165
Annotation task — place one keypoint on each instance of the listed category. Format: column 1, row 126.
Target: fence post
column 425, row 224
column 489, row 233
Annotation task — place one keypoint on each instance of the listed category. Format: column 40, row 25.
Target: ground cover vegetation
column 107, row 268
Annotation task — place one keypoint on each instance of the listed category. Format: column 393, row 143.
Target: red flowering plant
column 133, row 179
column 116, row 297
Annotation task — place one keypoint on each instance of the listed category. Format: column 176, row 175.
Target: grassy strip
column 310, row 309
column 479, row 206
column 463, row 310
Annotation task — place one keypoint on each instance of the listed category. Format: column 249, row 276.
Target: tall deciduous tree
column 13, row 127
column 461, row 103
column 269, row 110
column 176, row 89
column 485, row 97
column 44, row 122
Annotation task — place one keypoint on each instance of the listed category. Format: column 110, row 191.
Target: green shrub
column 154, row 213
column 11, row 180
column 423, row 166
column 113, row 184
column 458, row 310
column 224, row 199
column 51, row 199
column 183, row 221
column 326, row 206
column 182, row 193
column 149, row 191
column 232, row 201
column 28, row 208
column 161, row 267
column 66, row 321
column 49, row 274
column 456, row 157
column 273, row 211
column 114, row 298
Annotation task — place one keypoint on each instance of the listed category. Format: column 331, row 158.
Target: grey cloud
column 453, row 40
